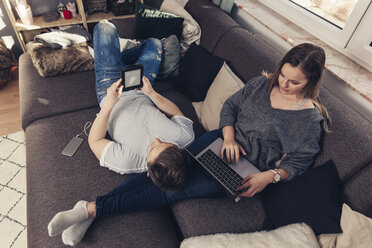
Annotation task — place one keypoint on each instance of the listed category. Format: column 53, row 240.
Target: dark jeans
column 140, row 194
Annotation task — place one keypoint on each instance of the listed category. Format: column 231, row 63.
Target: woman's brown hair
column 311, row 60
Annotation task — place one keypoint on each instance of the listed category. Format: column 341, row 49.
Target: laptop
column 228, row 175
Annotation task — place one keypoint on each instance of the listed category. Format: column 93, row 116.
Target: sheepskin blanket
column 6, row 56
column 49, row 62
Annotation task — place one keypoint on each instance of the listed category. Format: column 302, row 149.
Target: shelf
column 96, row 17
column 40, row 23
column 26, row 32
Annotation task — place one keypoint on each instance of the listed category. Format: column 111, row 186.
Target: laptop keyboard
column 221, row 170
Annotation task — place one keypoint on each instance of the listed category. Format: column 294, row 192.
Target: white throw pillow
column 291, row 236
column 224, row 85
column 356, row 231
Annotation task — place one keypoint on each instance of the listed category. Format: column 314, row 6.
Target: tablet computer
column 131, row 77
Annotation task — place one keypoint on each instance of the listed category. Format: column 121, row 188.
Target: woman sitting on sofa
column 274, row 121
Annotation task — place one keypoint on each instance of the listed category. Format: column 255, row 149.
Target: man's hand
column 255, row 183
column 232, row 149
column 146, row 88
column 113, row 94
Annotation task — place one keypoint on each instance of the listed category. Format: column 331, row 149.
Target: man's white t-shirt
column 133, row 125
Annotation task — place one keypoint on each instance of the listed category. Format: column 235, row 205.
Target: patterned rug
column 13, row 222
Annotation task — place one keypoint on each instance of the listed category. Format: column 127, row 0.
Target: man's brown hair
column 169, row 170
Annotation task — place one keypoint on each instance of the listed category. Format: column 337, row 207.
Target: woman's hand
column 146, row 88
column 255, row 183
column 232, row 149
column 113, row 93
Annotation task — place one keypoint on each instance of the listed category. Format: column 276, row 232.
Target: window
column 342, row 24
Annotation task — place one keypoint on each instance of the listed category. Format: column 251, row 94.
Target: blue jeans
column 109, row 60
column 139, row 193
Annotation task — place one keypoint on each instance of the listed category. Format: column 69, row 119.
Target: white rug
column 13, row 222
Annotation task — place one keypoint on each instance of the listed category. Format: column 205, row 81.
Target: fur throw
column 6, row 56
column 49, row 62
column 7, row 60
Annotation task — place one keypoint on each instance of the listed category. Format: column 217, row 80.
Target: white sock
column 65, row 219
column 75, row 233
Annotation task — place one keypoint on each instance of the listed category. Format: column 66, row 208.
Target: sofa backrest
column 357, row 191
column 350, row 140
column 246, row 53
column 213, row 22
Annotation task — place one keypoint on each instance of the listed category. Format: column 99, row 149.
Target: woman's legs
column 147, row 196
column 107, row 58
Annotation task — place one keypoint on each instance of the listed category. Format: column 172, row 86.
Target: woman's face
column 291, row 80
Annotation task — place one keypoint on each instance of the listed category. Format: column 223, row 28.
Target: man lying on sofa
column 143, row 136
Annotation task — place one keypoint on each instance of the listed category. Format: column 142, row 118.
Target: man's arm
column 165, row 105
column 96, row 139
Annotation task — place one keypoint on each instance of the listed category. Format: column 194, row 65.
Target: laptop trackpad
column 244, row 168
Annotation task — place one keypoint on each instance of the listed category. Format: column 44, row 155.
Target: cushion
column 191, row 31
column 224, row 85
column 153, row 23
column 171, row 59
column 49, row 62
column 295, row 235
column 68, row 37
column 313, row 197
column 196, row 73
column 356, row 231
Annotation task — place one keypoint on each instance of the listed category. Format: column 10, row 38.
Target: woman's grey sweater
column 266, row 133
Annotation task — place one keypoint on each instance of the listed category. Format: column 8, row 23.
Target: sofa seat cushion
column 212, row 21
column 42, row 97
column 56, row 182
column 197, row 217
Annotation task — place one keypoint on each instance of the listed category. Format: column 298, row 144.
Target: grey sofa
column 54, row 109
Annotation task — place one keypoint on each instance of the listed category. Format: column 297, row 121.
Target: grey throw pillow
column 171, row 59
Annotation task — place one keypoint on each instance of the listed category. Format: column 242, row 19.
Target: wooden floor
column 10, row 120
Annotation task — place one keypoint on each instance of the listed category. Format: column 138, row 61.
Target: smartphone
column 72, row 146
column 131, row 77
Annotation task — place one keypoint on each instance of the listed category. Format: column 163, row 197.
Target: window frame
column 353, row 40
